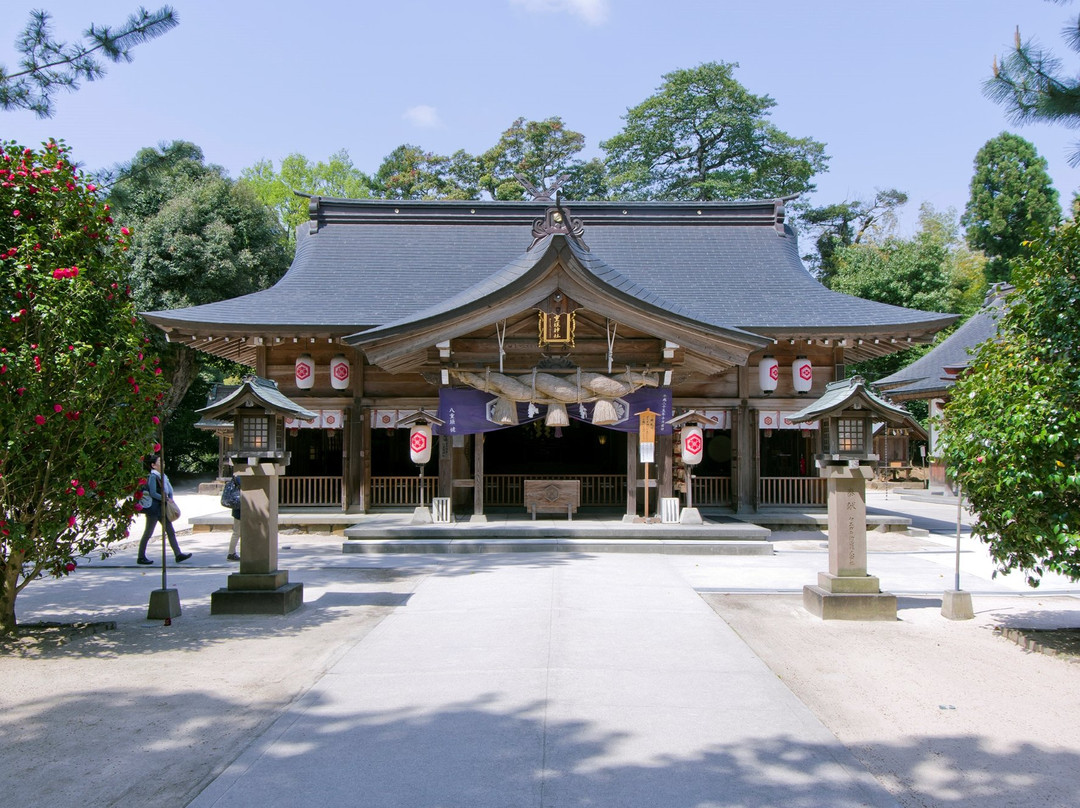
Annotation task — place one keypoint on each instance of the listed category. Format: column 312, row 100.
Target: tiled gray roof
column 522, row 265
column 839, row 395
column 926, row 377
column 266, row 392
column 375, row 262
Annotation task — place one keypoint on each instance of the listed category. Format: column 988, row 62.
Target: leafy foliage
column 409, row 172
column 845, row 223
column 932, row 271
column 703, row 136
column 48, row 65
column 1012, row 200
column 78, row 395
column 337, row 177
column 1012, row 427
column 200, row 238
column 542, row 152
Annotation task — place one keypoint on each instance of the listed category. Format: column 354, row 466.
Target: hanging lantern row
column 340, row 372
column 802, row 375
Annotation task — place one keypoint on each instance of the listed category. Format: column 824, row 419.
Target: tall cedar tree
column 1012, row 201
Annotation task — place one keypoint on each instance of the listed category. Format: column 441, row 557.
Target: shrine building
column 537, row 332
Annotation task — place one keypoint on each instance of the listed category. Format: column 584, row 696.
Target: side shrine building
column 537, row 334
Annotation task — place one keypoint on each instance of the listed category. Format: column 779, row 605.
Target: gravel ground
column 943, row 713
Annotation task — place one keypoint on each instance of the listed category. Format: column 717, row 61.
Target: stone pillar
column 846, row 591
column 260, row 587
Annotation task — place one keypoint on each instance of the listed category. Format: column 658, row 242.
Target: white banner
column 770, row 419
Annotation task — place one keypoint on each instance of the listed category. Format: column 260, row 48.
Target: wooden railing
column 711, row 491
column 596, row 489
column 314, row 491
column 501, row 490
column 402, row 491
column 792, row 491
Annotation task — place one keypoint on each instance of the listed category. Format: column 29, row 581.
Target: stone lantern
column 848, row 411
column 258, row 411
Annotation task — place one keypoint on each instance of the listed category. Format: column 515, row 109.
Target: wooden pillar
column 744, row 461
column 357, row 465
column 365, row 460
column 478, row 474
column 260, row 361
column 631, row 473
column 664, row 470
column 446, row 465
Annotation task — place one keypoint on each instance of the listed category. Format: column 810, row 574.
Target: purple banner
column 467, row 411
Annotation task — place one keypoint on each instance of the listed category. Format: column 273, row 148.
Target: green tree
column 542, row 152
column 1030, row 83
column 79, row 396
column 933, row 271
column 703, row 136
column 200, row 238
column 1012, row 427
column 48, row 65
column 846, row 223
column 409, row 172
column 1012, row 200
column 336, row 177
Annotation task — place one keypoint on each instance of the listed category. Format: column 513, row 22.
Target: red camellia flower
column 80, row 491
column 71, row 521
column 125, row 231
column 58, row 408
column 70, row 566
column 157, row 447
column 39, row 420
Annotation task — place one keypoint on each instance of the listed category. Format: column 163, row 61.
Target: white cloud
column 594, row 12
column 424, row 116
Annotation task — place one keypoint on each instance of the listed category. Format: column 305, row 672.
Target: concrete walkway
column 534, row 679
column 548, row 681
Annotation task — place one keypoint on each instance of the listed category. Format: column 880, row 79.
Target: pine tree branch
column 48, row 65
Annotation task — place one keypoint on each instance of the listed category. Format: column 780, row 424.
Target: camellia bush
column 1012, row 425
column 78, row 396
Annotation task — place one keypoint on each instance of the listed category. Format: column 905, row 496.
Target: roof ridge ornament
column 558, row 221
column 542, row 194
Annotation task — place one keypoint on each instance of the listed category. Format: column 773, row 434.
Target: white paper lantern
column 802, row 375
column 768, row 374
column 420, row 444
column 693, row 445
column 340, row 371
column 305, row 372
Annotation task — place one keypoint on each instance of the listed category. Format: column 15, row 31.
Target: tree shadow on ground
column 478, row 752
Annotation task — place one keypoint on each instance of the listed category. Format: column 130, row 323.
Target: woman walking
column 160, row 490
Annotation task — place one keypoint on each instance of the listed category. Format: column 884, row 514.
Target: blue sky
column 892, row 88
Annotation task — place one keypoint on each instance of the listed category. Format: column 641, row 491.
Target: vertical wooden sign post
column 647, row 447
